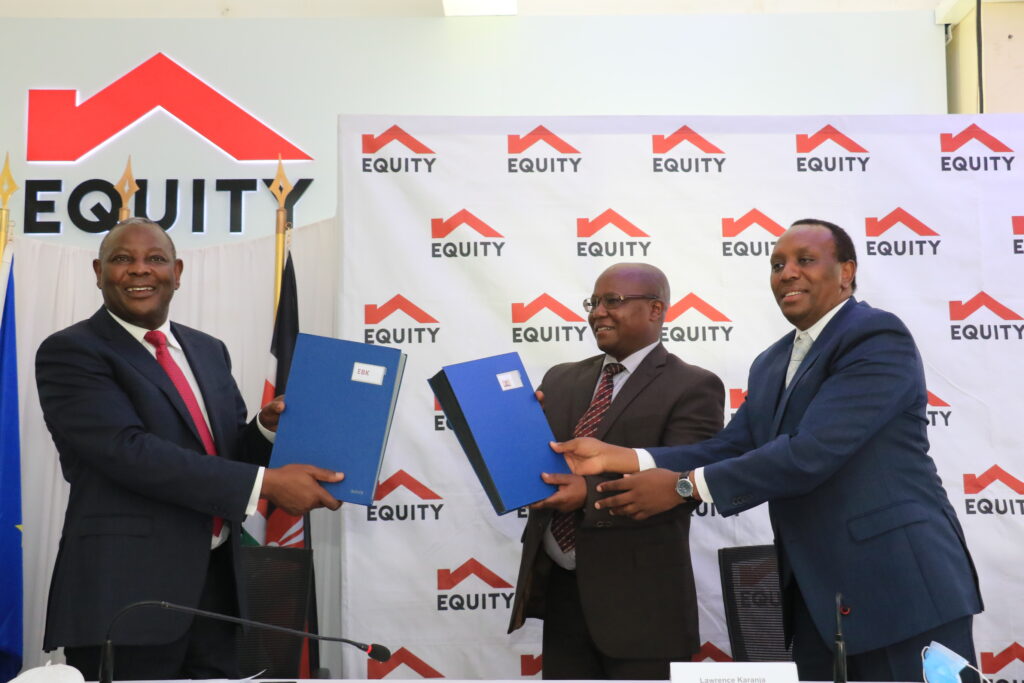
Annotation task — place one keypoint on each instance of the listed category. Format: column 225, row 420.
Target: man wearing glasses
column 617, row 595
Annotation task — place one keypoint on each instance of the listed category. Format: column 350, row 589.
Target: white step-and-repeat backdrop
column 464, row 237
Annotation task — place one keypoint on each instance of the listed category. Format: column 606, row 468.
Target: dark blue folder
column 501, row 427
column 338, row 408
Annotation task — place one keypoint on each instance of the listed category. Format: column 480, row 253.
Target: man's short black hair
column 845, row 250
column 135, row 220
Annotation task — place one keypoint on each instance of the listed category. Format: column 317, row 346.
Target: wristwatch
column 684, row 487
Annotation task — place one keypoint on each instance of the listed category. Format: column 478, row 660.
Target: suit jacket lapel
column 203, row 370
column 644, row 374
column 129, row 349
column 583, row 389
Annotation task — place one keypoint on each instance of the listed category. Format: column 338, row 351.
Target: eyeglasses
column 612, row 301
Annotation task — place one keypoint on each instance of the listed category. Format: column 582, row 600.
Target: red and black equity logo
column 395, row 151
column 542, row 142
column 63, row 129
column 685, row 151
column 401, row 657
column 426, row 505
column 1018, row 234
column 993, row 492
column 900, row 221
column 441, row 423
column 472, row 576
column 613, row 226
column 530, row 665
column 938, row 411
column 754, row 223
column 994, row 155
column 700, row 322
column 378, row 333
column 710, row 651
column 569, row 326
column 737, row 397
column 852, row 157
column 992, row 663
column 984, row 306
column 450, row 235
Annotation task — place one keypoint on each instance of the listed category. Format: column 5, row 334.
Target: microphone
column 106, row 673
column 839, row 663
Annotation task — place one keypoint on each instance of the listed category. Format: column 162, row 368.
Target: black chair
column 279, row 589
column 753, row 603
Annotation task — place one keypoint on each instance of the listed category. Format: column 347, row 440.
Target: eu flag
column 10, row 495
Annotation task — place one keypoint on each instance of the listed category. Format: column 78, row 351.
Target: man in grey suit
column 163, row 467
column 617, row 596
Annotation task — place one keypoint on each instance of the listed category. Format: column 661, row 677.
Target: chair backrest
column 278, row 587
column 753, row 603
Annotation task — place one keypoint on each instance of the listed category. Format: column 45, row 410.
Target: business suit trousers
column 568, row 649
column 208, row 649
column 897, row 662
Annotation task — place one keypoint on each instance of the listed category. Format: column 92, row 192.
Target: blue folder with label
column 339, row 405
column 501, row 428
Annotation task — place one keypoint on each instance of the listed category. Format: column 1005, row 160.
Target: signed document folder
column 501, row 427
column 339, row 404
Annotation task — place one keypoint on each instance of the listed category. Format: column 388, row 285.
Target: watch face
column 683, row 487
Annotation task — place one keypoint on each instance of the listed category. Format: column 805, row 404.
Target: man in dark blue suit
column 833, row 437
column 163, row 467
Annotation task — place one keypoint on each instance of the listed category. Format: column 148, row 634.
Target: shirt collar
column 633, row 360
column 814, row 331
column 140, row 332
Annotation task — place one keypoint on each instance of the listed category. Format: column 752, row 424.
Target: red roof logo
column 936, row 402
column 519, row 144
column 530, row 665
column 373, row 143
column 523, row 312
column 710, row 651
column 375, row 669
column 734, row 226
column 808, row 143
column 951, row 143
column 448, row 579
column 693, row 301
column 736, row 398
column 1018, row 225
column 440, row 227
column 961, row 310
column 660, row 144
column 994, row 662
column 60, row 128
column 587, row 227
column 373, row 314
column 876, row 226
column 978, row 483
column 404, row 479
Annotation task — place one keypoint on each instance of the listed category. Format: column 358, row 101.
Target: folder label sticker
column 369, row 374
column 510, row 380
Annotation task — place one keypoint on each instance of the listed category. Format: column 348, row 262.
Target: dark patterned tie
column 163, row 357
column 563, row 524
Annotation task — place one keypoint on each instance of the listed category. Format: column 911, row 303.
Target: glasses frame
column 593, row 302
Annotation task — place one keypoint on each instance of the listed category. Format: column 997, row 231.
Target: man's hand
column 586, row 455
column 640, row 495
column 570, row 496
column 270, row 413
column 296, row 488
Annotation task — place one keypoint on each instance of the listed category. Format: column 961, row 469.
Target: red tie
column 163, row 357
column 563, row 524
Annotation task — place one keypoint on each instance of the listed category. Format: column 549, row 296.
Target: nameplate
column 733, row 672
column 369, row 374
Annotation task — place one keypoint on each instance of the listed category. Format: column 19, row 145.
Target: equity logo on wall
column 938, row 411
column 549, row 308
column 475, row 575
column 710, row 651
column 992, row 663
column 530, row 665
column 376, row 333
column 702, row 317
column 400, row 657
column 540, row 142
column 696, row 162
column 983, row 305
column 995, row 483
column 404, row 153
column 62, row 129
column 994, row 155
column 737, row 397
column 466, row 223
column 404, row 486
column 441, row 423
column 758, row 223
column 613, row 224
column 1018, row 229
column 876, row 227
column 855, row 158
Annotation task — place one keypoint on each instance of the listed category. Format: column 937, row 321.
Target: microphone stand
column 839, row 663
column 106, row 672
